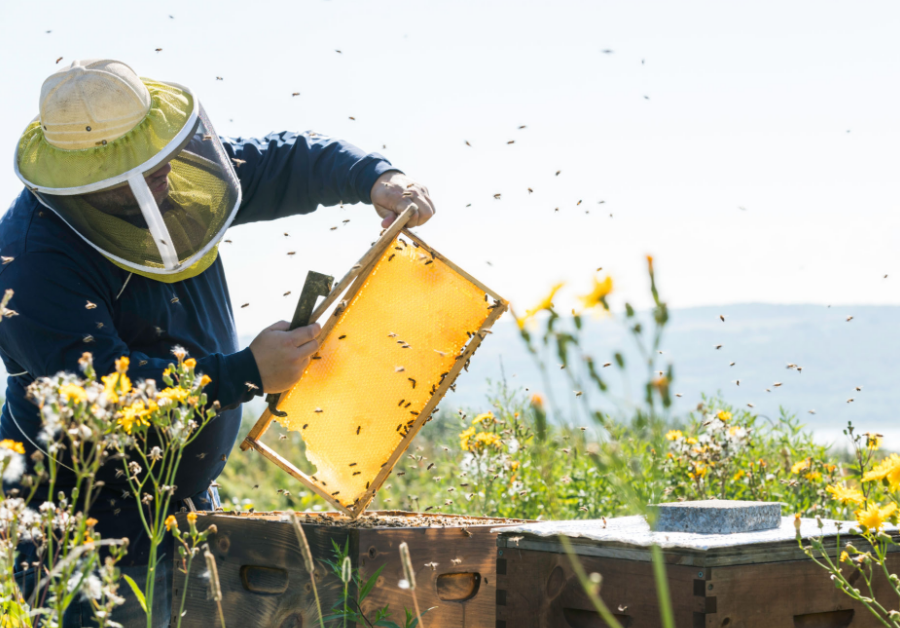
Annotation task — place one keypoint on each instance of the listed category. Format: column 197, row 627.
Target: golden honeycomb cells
column 379, row 365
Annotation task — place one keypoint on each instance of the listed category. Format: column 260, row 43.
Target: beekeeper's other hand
column 282, row 354
column 393, row 192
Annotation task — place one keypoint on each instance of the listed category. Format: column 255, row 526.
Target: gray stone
column 716, row 516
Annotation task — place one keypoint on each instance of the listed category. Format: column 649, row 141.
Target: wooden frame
column 351, row 283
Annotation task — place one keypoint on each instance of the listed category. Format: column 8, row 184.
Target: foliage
column 89, row 423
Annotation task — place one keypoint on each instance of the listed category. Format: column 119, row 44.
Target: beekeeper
column 115, row 250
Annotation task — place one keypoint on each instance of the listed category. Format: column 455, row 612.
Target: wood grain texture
column 453, row 551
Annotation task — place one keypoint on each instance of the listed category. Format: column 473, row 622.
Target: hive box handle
column 458, row 587
column 264, row 580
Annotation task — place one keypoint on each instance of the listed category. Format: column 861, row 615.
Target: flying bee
column 90, row 306
column 777, row 384
column 497, row 196
column 286, row 293
column 430, row 467
column 282, row 437
column 218, row 78
column 88, row 338
column 295, row 94
column 173, row 300
column 6, row 260
column 238, row 162
column 718, row 347
column 251, row 385
column 201, row 456
column 60, row 59
column 207, row 137
column 244, row 305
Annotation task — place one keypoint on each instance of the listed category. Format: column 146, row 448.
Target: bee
column 718, row 347
column 238, row 162
column 334, row 493
column 244, row 305
column 142, row 363
column 358, row 428
column 849, row 318
column 777, row 384
column 750, row 405
column 60, row 59
column 858, row 388
column 400, row 369
column 207, row 137
column 455, row 561
column 850, row 400
column 511, row 142
column 286, row 293
column 465, row 531
column 408, row 404
column 413, row 412
column 430, row 467
column 173, row 300
column 367, row 485
column 413, row 381
column 721, row 316
column 305, row 425
column 557, row 173
column 578, row 393
column 392, row 256
column 318, row 409
column 352, row 464
column 295, row 94
column 467, row 143
column 90, row 306
column 432, row 564
column 251, row 385
column 292, row 252
column 731, row 364
column 399, row 426
column 430, row 507
column 316, row 357
column 497, row 196
column 6, row 260
column 88, row 338
column 223, row 458
column 678, row 395
column 228, row 241
column 338, row 51
column 282, row 437
column 218, row 78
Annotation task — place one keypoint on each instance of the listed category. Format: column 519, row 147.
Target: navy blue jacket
column 55, row 273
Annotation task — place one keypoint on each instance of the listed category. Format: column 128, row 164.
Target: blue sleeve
column 54, row 328
column 284, row 174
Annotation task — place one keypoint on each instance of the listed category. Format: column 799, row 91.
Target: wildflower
column 674, row 435
column 486, row 416
column 134, row 415
column 724, row 416
column 173, row 394
column 873, row 441
column 597, row 295
column 205, row 380
column 91, row 522
column 171, row 522
column 12, row 445
column 738, row 475
column 191, row 363
column 691, row 441
column 845, row 557
column 873, row 518
column 73, row 392
column 483, row 440
column 86, row 361
column 803, row 465
column 114, row 385
column 813, row 476
column 122, row 364
column 192, row 517
column 156, row 454
column 888, row 469
column 846, row 495
column 537, row 401
column 545, row 304
column 650, row 263
column 464, row 438
column 180, row 353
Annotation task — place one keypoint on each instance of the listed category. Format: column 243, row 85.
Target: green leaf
column 137, row 591
column 366, row 588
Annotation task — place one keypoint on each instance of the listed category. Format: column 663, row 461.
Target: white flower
column 403, row 584
column 91, row 587
column 156, row 454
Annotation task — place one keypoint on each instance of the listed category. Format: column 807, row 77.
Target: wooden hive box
column 265, row 584
column 744, row 580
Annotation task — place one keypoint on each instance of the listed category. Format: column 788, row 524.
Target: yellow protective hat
column 101, row 134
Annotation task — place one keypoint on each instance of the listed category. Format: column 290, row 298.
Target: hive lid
column 631, row 537
column 408, row 324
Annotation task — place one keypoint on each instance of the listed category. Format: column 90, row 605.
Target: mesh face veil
column 155, row 200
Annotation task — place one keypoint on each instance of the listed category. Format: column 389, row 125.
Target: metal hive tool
column 406, row 326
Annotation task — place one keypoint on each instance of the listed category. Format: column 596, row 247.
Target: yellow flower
column 114, row 385
column 888, row 469
column 171, row 522
column 537, row 401
column 514, row 465
column 700, row 470
column 192, row 517
column 724, row 416
column 486, row 416
column 738, row 475
column 873, row 441
column 803, row 465
column 650, row 263
column 597, row 295
column 484, row 440
column 191, row 363
column 464, row 438
column 691, row 441
column 122, row 364
column 73, row 392
column 674, row 435
column 845, row 557
column 12, row 445
column 873, row 518
column 813, row 476
column 135, row 414
column 91, row 522
column 173, row 394
column 205, row 380
column 546, row 303
column 846, row 495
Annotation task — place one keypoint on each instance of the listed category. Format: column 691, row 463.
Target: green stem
column 586, row 584
column 662, row 587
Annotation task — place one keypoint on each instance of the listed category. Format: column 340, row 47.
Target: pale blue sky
column 749, row 106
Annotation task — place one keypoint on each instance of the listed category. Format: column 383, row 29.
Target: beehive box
column 264, row 582
column 744, row 580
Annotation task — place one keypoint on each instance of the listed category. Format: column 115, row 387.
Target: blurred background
column 751, row 149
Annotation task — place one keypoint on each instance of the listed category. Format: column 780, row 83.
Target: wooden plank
column 425, row 414
column 540, row 589
column 470, row 555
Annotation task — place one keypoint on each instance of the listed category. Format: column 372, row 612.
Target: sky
column 751, row 148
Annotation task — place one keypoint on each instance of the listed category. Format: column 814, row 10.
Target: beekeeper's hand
column 393, row 192
column 281, row 355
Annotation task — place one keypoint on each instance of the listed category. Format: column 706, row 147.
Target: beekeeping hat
column 133, row 166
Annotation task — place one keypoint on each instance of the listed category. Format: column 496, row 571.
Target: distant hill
column 836, row 356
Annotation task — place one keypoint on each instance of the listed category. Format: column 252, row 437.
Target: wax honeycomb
column 379, row 365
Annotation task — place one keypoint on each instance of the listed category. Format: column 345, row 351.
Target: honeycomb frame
column 347, row 289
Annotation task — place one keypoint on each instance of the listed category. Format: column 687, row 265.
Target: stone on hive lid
column 717, row 516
